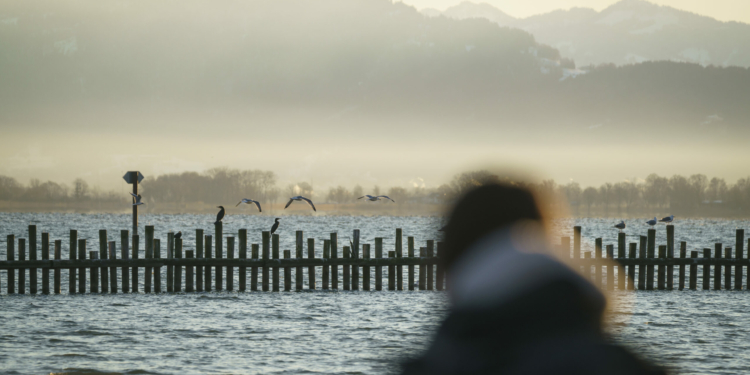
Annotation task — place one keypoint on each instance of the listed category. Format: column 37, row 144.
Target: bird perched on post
column 178, row 235
column 667, row 219
column 250, row 201
column 300, row 198
column 275, row 225
column 621, row 225
column 136, row 199
column 376, row 198
column 652, row 222
column 220, row 215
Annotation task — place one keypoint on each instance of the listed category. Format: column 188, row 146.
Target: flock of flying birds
column 137, row 202
column 651, row 222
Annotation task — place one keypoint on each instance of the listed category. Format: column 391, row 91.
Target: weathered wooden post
column 72, row 255
column 334, row 256
column 747, row 283
column 22, row 271
column 243, row 256
column 219, row 249
column 287, row 272
column 597, row 262
column 10, row 256
column 148, row 272
column 112, row 245
column 125, row 254
column 565, row 248
column 103, row 255
column 366, row 269
column 430, row 267
column 275, row 270
column 134, row 270
column 662, row 270
column 670, row 255
column 45, row 256
column 620, row 254
column 399, row 255
column 576, row 242
column 347, row 255
column 706, row 268
column 642, row 267
column 266, row 283
column 326, row 257
column 391, row 271
column 440, row 271
column 230, row 269
column 610, row 268
column 422, row 269
column 157, row 269
column 208, row 243
column 355, row 255
column 728, row 269
column 650, row 268
column 82, row 270
column 683, row 255
column 177, row 269
column 588, row 273
column 378, row 269
column 717, row 266
column 32, row 256
column 200, row 253
column 189, row 280
column 694, row 270
column 410, row 249
column 298, row 254
column 57, row 277
column 94, row 273
column 631, row 268
column 254, row 269
column 739, row 254
column 311, row 269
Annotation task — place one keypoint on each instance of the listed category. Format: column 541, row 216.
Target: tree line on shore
column 224, row 185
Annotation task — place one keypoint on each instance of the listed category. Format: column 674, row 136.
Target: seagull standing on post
column 652, row 222
column 220, row 215
column 376, row 198
column 300, row 198
column 621, row 225
column 669, row 219
column 275, row 225
column 136, row 199
column 250, row 201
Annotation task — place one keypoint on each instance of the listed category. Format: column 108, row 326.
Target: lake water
column 325, row 332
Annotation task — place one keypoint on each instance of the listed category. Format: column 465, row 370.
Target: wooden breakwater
column 211, row 265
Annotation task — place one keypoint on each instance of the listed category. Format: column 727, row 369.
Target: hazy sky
column 724, row 10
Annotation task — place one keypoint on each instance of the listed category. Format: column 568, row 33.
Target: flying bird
column 652, row 222
column 250, row 201
column 667, row 219
column 136, row 199
column 300, row 198
column 178, row 235
column 220, row 215
column 376, row 198
column 620, row 226
column 275, row 225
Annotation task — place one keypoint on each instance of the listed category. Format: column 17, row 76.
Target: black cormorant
column 275, row 225
column 220, row 215
column 178, row 236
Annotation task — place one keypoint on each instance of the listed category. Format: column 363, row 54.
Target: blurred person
column 515, row 309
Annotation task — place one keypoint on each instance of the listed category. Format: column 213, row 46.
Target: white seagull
column 250, row 201
column 376, row 198
column 300, row 198
column 652, row 222
column 136, row 199
column 667, row 219
column 620, row 226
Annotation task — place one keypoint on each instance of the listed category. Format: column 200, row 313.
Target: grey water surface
column 330, row 332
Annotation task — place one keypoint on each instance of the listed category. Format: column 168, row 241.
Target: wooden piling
column 439, row 276
column 326, row 257
column 717, row 267
column 103, row 244
column 311, row 269
column 683, row 255
column 200, row 253
column 45, row 256
column 633, row 247
column 10, row 256
column 230, row 269
column 72, row 255
column 410, row 249
column 728, row 269
column 275, row 253
column 651, row 250
column 693, row 271
column 355, row 255
column 299, row 237
column 430, row 268
column 610, row 269
column 565, row 248
column 739, row 254
column 32, row 256
column 706, row 269
column 287, row 272
column 597, row 265
column 243, row 255
column 366, row 269
column 177, row 283
column 588, row 273
column 378, row 269
column 391, row 272
column 334, row 255
column 422, row 269
column 58, row 277
column 157, row 270
column 219, row 254
column 642, row 267
column 254, row 270
column 189, row 279
column 21, row 271
column 94, row 273
column 670, row 255
column 208, row 243
column 266, row 283
column 347, row 255
column 125, row 254
column 576, row 242
column 112, row 250
column 134, row 270
column 662, row 269
column 82, row 270
column 400, row 254
column 148, row 272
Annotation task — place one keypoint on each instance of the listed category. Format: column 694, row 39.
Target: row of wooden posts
column 205, row 267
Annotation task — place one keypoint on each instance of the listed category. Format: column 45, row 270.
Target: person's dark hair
column 484, row 210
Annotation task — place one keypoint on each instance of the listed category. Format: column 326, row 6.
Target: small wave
column 88, row 332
